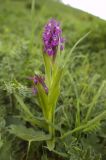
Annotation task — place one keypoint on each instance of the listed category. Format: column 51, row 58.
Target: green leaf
column 62, row 154
column 88, row 125
column 47, row 62
column 95, row 99
column 55, row 88
column 28, row 134
column 1, row 143
column 23, row 106
column 51, row 144
column 5, row 151
column 43, row 98
column 52, row 99
column 67, row 58
column 28, row 116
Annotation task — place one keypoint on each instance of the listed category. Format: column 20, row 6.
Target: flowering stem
column 51, row 129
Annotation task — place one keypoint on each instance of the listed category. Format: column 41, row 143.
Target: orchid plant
column 47, row 88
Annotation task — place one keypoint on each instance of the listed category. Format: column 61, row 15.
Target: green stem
column 72, row 131
column 51, row 129
column 29, row 144
column 32, row 25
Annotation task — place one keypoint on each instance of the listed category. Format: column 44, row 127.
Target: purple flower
column 52, row 37
column 38, row 80
column 34, row 90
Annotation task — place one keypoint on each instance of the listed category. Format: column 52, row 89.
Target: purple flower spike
column 34, row 90
column 38, row 80
column 52, row 37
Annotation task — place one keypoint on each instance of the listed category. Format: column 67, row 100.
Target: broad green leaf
column 43, row 98
column 47, row 62
column 55, row 88
column 28, row 134
column 52, row 99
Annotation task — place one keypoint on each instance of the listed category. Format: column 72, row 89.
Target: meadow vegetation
column 80, row 115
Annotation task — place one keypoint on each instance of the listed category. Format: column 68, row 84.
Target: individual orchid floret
column 52, row 37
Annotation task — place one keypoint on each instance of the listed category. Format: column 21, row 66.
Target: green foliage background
column 21, row 55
